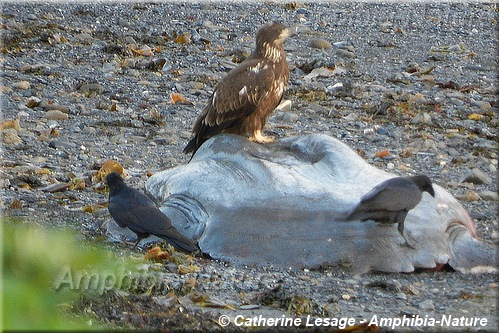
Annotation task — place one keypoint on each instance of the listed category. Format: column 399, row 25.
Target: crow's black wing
column 150, row 220
column 392, row 195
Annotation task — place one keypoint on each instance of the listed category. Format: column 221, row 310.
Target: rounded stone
column 10, row 137
column 22, row 85
column 56, row 115
column 319, row 43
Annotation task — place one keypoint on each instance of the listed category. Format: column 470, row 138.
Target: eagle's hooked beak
column 285, row 33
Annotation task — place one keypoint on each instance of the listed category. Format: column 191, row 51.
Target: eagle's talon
column 258, row 137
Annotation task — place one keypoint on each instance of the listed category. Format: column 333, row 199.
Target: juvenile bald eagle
column 243, row 100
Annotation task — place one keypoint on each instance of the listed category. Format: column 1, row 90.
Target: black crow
column 390, row 201
column 130, row 208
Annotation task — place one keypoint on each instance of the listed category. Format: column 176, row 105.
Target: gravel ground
column 412, row 87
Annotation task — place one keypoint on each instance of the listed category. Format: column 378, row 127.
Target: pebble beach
column 412, row 87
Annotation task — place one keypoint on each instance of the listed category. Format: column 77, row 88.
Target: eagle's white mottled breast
column 280, row 88
column 272, row 53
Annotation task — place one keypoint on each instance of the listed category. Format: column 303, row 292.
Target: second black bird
column 134, row 210
column 390, row 201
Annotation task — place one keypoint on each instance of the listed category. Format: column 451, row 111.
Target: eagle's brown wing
column 236, row 96
column 239, row 93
